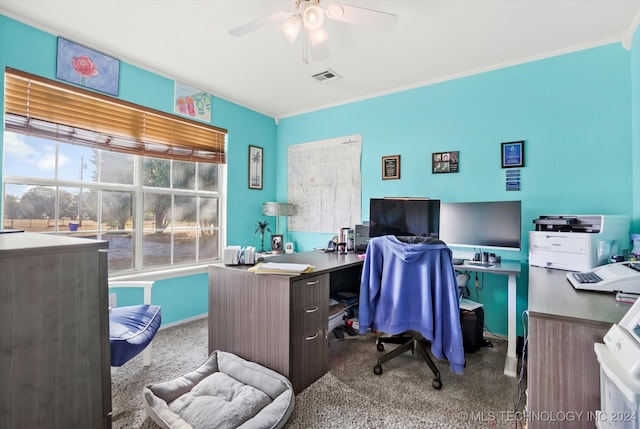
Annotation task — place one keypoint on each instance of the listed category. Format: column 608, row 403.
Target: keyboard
column 616, row 277
column 479, row 264
column 587, row 277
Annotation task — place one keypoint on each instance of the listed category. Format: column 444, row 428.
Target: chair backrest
column 397, row 278
column 146, row 284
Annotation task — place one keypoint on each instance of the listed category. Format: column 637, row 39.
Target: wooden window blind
column 51, row 109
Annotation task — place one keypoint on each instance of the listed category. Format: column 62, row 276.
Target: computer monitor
column 404, row 217
column 482, row 225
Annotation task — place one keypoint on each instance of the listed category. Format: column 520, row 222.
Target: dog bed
column 226, row 391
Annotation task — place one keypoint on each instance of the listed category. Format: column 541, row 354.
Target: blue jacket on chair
column 413, row 287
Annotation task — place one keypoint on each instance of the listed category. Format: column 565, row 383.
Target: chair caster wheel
column 377, row 370
column 380, row 347
column 436, row 383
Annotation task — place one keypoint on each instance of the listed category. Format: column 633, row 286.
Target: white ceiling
column 433, row 40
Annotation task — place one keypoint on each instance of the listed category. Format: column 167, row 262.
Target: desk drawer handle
column 312, row 310
column 315, row 282
column 312, row 337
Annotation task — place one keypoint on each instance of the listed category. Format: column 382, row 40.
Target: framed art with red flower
column 85, row 67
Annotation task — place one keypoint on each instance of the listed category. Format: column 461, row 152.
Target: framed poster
column 85, row 67
column 391, row 167
column 445, row 162
column 255, row 167
column 513, row 154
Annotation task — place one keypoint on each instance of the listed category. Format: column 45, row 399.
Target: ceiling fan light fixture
column 313, row 17
column 290, row 28
column 334, row 10
column 318, row 36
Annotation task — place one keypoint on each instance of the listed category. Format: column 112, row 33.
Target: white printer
column 577, row 242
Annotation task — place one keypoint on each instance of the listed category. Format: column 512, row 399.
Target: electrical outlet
column 113, row 298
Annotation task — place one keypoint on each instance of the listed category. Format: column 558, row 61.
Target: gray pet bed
column 226, row 391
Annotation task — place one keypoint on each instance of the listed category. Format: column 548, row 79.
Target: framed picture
column 192, row 102
column 255, row 167
column 513, row 154
column 445, row 162
column 85, row 67
column 391, row 167
column 288, row 247
column 276, row 243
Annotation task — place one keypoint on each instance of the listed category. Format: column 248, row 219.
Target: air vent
column 326, row 75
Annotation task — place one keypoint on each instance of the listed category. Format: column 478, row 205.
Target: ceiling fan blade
column 259, row 23
column 361, row 16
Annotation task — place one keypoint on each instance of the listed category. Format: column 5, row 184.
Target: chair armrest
column 147, row 285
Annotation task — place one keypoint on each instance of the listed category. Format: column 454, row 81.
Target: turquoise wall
column 181, row 298
column 578, row 114
column 635, row 128
column 573, row 112
column 31, row 50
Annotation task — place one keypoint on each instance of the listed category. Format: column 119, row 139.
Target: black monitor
column 404, row 217
column 485, row 225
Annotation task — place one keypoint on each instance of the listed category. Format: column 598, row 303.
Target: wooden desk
column 280, row 321
column 510, row 269
column 563, row 374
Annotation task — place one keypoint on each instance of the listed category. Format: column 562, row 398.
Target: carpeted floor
column 350, row 395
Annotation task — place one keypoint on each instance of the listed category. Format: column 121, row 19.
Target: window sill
column 167, row 273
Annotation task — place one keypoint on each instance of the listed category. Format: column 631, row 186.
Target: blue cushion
column 131, row 329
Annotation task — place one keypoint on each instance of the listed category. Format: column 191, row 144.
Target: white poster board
column 324, row 184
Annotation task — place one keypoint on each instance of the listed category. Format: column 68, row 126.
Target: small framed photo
column 445, row 162
column 276, row 243
column 391, row 167
column 288, row 247
column 513, row 154
column 255, row 167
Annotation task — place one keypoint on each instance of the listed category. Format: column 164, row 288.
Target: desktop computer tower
column 472, row 324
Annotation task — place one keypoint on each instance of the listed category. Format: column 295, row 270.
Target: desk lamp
column 277, row 210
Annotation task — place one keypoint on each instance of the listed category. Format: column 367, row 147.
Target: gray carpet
column 350, row 395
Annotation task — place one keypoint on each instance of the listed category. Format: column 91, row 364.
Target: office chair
column 409, row 290
column 132, row 328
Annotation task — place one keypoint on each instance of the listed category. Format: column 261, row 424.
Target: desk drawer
column 309, row 358
column 309, row 305
column 310, row 290
column 310, row 318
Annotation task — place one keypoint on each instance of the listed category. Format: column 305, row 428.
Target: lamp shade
column 291, row 27
column 277, row 209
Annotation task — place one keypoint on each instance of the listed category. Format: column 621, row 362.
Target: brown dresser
column 279, row 321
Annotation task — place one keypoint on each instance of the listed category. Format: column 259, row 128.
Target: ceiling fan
column 308, row 17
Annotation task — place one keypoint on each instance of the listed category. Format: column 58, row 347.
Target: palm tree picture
column 255, row 167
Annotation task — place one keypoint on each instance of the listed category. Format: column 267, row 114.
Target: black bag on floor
column 472, row 324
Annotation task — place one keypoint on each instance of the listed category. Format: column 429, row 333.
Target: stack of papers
column 281, row 268
column 468, row 305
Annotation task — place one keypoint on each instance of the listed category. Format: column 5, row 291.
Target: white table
column 510, row 269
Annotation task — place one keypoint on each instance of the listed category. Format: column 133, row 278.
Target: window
column 155, row 209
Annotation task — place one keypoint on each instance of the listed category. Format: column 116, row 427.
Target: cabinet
column 279, row 321
column 563, row 374
column 54, row 332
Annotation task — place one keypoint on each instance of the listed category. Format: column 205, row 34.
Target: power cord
column 521, row 386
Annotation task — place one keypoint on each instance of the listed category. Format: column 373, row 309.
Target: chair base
column 407, row 342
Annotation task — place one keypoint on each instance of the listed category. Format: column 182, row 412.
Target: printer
column 577, row 242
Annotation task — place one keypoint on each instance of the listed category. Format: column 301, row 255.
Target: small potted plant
column 262, row 227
